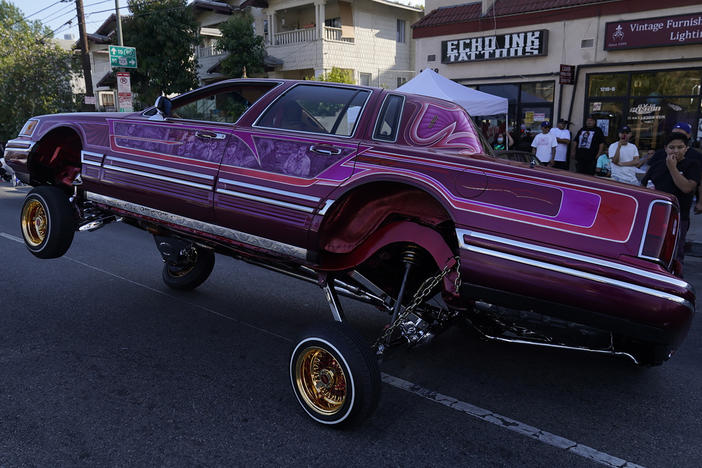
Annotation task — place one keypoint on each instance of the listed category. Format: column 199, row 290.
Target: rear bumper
column 639, row 304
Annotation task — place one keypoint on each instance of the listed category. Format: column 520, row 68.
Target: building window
column 365, row 79
column 333, row 22
column 650, row 102
column 431, row 58
column 107, row 99
column 401, row 31
column 401, row 80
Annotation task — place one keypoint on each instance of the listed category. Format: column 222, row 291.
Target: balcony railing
column 295, row 36
column 334, row 34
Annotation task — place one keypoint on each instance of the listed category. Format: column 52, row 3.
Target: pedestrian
column 502, row 142
column 660, row 155
column 544, row 145
column 680, row 176
column 625, row 158
column 562, row 135
column 587, row 146
column 4, row 173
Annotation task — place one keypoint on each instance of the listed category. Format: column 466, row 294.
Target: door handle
column 327, row 150
column 206, row 135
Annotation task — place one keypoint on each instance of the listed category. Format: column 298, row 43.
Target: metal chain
column 424, row 290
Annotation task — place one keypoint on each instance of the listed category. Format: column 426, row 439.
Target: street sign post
column 124, row 92
column 123, row 57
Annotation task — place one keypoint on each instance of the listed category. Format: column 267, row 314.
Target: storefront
column 641, row 67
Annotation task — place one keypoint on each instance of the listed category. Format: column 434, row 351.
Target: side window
column 223, row 107
column 316, row 109
column 389, row 118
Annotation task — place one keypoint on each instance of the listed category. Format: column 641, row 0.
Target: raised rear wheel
column 47, row 222
column 335, row 375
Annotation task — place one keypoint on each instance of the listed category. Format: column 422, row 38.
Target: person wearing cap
column 679, row 176
column 544, row 145
column 691, row 154
column 562, row 135
column 625, row 158
column 587, row 146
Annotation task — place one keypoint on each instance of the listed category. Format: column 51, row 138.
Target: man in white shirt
column 625, row 158
column 562, row 135
column 544, row 145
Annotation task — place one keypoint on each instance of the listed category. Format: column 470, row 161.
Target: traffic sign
column 123, row 57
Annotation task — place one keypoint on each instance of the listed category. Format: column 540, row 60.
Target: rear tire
column 189, row 276
column 335, row 375
column 47, row 222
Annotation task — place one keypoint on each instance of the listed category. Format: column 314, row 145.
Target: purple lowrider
column 390, row 198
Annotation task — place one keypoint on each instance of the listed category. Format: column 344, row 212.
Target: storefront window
column 608, row 84
column 529, row 105
column 666, row 83
column 651, row 103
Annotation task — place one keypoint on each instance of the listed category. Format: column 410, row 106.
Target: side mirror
column 163, row 107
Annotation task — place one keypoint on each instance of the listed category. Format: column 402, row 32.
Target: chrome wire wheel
column 321, row 381
column 35, row 223
column 335, row 375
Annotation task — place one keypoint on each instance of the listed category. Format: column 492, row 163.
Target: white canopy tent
column 430, row 83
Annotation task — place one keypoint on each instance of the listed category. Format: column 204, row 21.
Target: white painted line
column 510, row 424
column 11, row 237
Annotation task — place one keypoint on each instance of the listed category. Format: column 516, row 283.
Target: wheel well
column 55, row 159
column 363, row 210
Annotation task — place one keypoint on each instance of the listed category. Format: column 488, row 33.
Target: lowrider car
column 390, row 198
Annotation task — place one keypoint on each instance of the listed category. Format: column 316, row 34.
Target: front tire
column 47, row 222
column 191, row 275
column 334, row 375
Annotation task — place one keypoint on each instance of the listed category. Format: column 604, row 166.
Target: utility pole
column 120, row 41
column 85, row 56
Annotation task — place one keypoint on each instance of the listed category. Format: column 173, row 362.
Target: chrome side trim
column 20, row 146
column 327, row 205
column 570, row 255
column 578, row 273
column 161, row 168
column 270, row 190
column 268, row 201
column 158, row 177
column 90, row 162
column 250, row 239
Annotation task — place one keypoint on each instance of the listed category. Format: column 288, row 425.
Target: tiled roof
column 472, row 11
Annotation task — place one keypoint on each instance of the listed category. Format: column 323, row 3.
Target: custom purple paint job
column 573, row 246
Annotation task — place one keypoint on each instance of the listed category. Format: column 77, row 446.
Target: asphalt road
column 102, row 365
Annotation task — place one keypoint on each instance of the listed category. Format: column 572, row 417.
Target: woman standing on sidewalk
column 679, row 176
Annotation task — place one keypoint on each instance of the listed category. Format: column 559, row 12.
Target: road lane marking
column 485, row 415
column 11, row 237
column 510, row 424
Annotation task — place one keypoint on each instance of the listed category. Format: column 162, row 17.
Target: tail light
column 661, row 234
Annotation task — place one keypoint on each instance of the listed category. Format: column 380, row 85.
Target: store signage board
column 495, row 47
column 654, row 32
column 123, row 57
column 567, row 74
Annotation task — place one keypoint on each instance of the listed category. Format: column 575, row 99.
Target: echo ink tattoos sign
column 512, row 45
column 654, row 32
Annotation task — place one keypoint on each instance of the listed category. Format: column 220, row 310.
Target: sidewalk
column 693, row 241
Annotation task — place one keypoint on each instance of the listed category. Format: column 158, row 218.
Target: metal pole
column 85, row 56
column 119, row 24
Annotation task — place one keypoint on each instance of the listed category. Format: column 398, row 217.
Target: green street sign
column 123, row 57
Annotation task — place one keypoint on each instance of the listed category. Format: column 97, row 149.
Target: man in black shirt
column 684, row 129
column 679, row 176
column 587, row 146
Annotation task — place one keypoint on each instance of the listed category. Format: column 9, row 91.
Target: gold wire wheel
column 34, row 222
column 321, row 380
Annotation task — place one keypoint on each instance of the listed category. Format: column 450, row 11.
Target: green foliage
column 34, row 72
column 244, row 47
column 164, row 33
column 336, row 75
